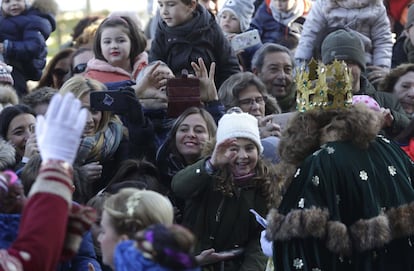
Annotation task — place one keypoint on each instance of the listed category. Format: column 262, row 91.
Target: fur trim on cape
column 363, row 235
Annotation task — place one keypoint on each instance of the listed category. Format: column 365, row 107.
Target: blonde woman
column 106, row 142
column 128, row 212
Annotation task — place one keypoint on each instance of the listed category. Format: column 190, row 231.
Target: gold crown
column 323, row 86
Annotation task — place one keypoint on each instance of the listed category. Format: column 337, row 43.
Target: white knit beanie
column 241, row 125
column 242, row 9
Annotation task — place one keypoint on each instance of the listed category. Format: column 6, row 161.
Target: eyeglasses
column 250, row 101
column 80, row 68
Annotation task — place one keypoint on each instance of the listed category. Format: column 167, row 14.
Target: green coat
column 347, row 209
column 221, row 222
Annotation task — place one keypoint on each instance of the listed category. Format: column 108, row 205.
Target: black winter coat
column 24, row 37
column 201, row 37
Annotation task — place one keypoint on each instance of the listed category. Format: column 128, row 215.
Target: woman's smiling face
column 191, row 136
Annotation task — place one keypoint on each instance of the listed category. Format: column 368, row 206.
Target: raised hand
column 208, row 90
column 223, row 154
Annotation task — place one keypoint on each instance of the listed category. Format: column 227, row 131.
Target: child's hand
column 222, row 154
column 208, row 90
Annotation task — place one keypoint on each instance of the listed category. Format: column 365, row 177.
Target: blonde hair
column 81, row 86
column 132, row 210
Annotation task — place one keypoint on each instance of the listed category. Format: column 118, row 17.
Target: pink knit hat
column 367, row 100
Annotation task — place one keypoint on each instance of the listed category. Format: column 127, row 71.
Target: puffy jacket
column 24, row 37
column 200, row 37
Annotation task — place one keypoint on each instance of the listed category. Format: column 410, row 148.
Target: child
column 127, row 212
column 368, row 19
column 281, row 21
column 186, row 32
column 159, row 247
column 235, row 17
column 221, row 188
column 23, row 34
column 119, row 51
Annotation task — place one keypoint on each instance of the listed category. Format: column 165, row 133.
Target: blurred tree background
column 66, row 21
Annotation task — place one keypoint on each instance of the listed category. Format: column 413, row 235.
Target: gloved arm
column 45, row 216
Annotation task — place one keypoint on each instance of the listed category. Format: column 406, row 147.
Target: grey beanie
column 242, row 9
column 410, row 17
column 343, row 45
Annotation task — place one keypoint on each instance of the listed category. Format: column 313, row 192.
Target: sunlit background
column 71, row 11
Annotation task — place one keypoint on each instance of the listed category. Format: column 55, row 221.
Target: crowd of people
column 242, row 135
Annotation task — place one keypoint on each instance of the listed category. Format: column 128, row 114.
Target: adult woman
column 57, row 70
column 221, row 189
column 185, row 142
column 105, row 145
column 128, row 212
column 400, row 82
column 17, row 124
column 247, row 91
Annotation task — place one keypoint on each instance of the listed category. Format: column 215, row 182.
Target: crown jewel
column 321, row 86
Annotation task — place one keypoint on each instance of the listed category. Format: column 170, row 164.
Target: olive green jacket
column 221, row 222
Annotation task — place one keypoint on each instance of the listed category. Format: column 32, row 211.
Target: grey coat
column 366, row 17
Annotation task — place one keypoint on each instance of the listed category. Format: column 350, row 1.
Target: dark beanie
column 343, row 45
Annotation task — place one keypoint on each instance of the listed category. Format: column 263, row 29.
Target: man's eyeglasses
column 250, row 101
column 80, row 68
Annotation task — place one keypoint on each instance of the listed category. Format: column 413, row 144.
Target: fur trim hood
column 7, row 155
column 46, row 6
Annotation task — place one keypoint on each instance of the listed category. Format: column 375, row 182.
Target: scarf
column 106, row 142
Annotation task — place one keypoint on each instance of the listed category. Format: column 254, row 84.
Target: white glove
column 59, row 132
column 267, row 246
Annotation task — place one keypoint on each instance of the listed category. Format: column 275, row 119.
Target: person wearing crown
column 344, row 198
column 347, row 46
